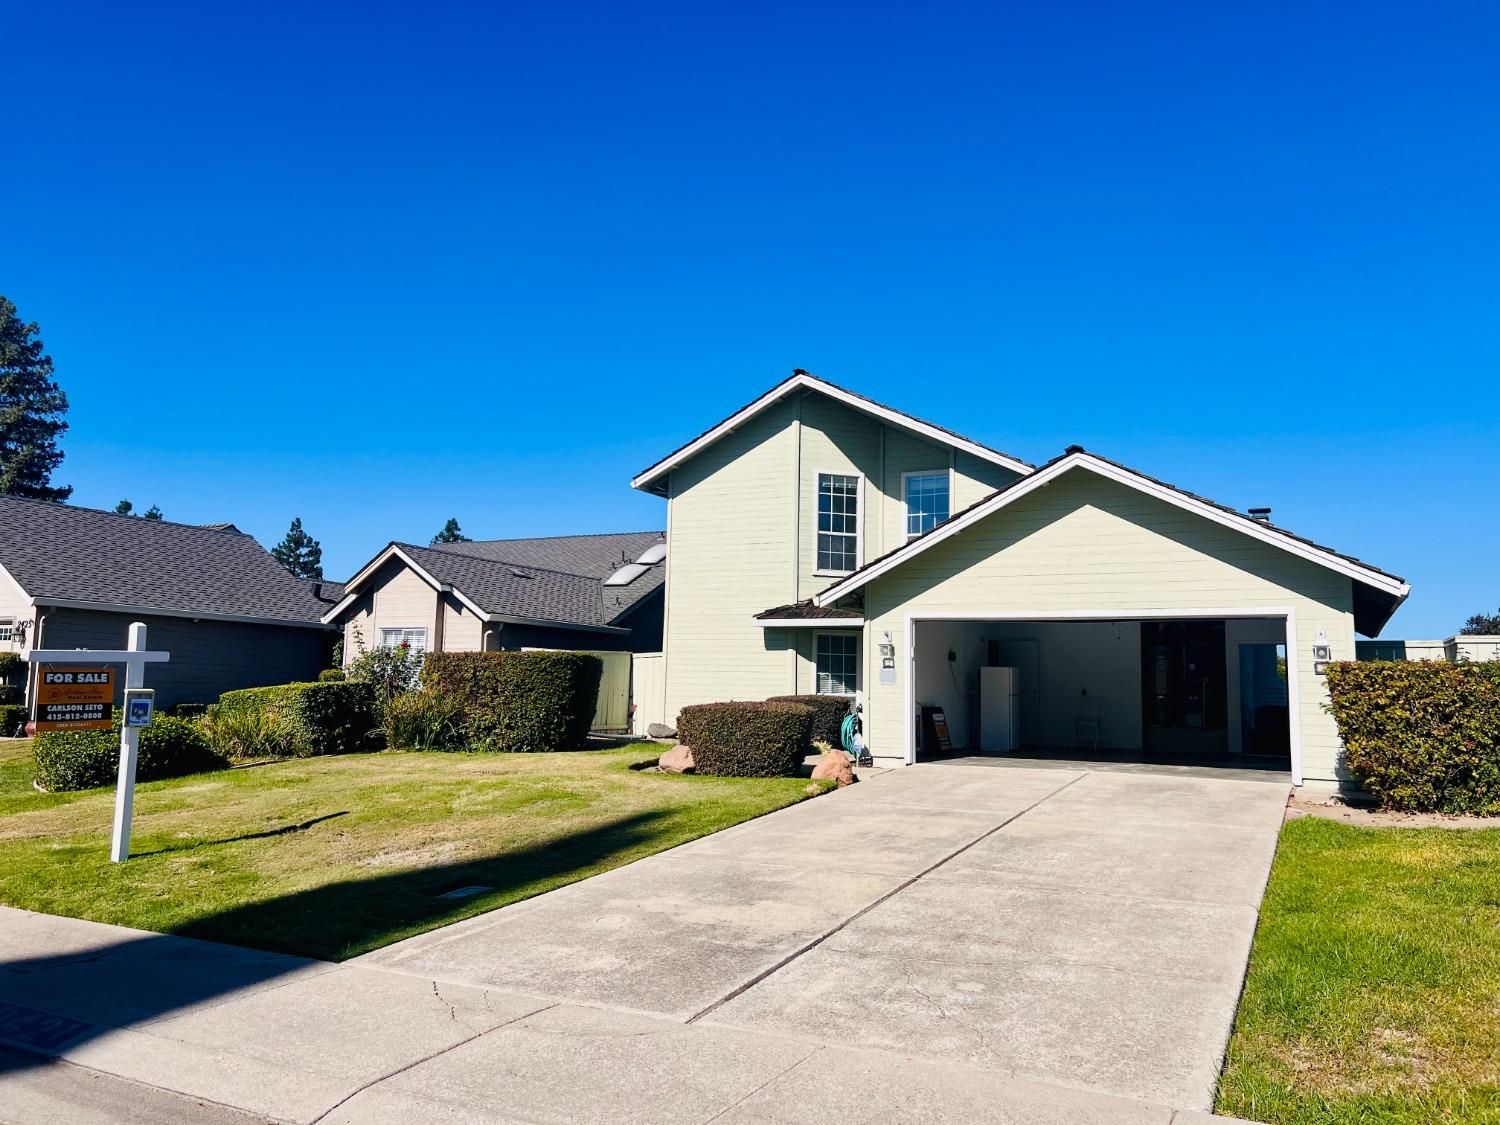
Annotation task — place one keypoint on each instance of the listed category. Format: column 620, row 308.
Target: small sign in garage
column 75, row 698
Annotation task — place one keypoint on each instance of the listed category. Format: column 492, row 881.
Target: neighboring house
column 601, row 592
column 1461, row 647
column 822, row 542
column 229, row 614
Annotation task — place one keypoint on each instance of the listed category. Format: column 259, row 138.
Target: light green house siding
column 1085, row 545
column 742, row 531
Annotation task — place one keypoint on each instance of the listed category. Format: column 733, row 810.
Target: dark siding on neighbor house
column 645, row 622
column 208, row 657
column 514, row 637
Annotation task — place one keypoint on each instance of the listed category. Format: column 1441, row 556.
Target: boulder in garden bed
column 835, row 765
column 660, row 730
column 679, row 759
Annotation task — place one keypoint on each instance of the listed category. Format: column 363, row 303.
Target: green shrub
column 331, row 676
column 188, row 710
column 425, row 720
column 86, row 759
column 13, row 719
column 746, row 739
column 1421, row 735
column 520, row 701
column 10, row 693
column 12, row 667
column 829, row 712
column 294, row 720
column 391, row 670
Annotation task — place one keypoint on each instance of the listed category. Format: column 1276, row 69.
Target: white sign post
column 135, row 658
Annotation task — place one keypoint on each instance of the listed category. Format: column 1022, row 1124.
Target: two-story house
column 822, row 542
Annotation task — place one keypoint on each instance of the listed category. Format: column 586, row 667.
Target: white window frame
column 8, row 631
column 422, row 629
column 818, row 639
column 906, row 504
column 859, row 521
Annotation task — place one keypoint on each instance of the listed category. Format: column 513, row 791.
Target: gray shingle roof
column 65, row 553
column 591, row 556
column 515, row 590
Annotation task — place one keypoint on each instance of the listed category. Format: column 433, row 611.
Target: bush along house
column 820, row 542
column 212, row 596
column 591, row 593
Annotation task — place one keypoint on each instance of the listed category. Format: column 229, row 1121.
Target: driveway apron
column 1084, row 929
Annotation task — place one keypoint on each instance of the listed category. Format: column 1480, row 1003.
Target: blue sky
column 377, row 265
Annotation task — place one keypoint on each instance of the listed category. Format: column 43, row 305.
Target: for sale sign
column 75, row 698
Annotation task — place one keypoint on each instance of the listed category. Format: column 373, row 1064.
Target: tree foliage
column 1482, row 625
column 32, row 409
column 124, row 508
column 451, row 533
column 299, row 552
column 152, row 513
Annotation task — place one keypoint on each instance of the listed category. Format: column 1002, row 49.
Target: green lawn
column 332, row 857
column 1374, row 985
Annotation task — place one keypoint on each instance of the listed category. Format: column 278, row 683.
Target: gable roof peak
column 653, row 478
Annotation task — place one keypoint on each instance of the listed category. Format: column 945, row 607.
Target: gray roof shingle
column 57, row 551
column 594, row 557
column 515, row 590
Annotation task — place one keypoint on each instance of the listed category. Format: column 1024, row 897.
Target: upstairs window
column 395, row 638
column 837, row 663
column 838, row 523
column 926, row 501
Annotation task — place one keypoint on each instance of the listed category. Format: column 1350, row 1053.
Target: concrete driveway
column 1066, row 930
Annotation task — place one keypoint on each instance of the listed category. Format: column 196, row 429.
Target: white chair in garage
column 1087, row 723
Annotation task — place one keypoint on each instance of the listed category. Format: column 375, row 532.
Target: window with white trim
column 837, row 663
column 7, row 630
column 926, row 501
column 395, row 638
column 838, row 523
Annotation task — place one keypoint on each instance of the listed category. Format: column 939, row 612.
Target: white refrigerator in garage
column 999, row 710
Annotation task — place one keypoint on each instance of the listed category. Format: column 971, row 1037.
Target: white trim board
column 802, row 380
column 1040, row 479
column 1272, row 613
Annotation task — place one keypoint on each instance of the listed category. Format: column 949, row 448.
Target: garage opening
column 1188, row 691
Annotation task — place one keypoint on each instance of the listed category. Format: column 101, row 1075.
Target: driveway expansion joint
column 903, row 885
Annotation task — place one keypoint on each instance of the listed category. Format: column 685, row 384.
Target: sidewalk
column 292, row 1040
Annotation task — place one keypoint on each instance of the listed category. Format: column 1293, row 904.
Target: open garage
column 1195, row 690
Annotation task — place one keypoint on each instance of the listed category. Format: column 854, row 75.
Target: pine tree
column 1482, row 624
column 152, row 513
column 299, row 552
column 450, row 533
column 124, row 508
column 31, row 412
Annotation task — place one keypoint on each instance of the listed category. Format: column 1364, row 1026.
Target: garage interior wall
column 1077, row 659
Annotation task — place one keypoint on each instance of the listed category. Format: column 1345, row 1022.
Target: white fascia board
column 855, row 402
column 43, row 602
column 1043, row 477
column 810, row 622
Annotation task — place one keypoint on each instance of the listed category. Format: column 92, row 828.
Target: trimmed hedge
column 87, row 759
column 829, row 712
column 746, row 739
column 1421, row 735
column 13, row 719
column 519, row 701
column 188, row 710
column 331, row 676
column 12, row 667
column 295, row 720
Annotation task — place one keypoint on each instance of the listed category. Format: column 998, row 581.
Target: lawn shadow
column 268, row 834
column 53, row 1003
